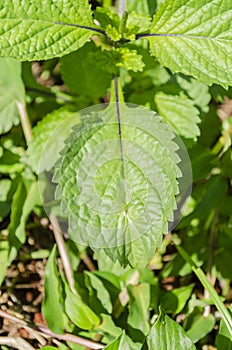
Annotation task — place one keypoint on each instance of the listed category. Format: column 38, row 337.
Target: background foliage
column 177, row 63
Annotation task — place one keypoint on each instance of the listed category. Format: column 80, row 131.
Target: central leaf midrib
column 119, row 125
column 184, row 36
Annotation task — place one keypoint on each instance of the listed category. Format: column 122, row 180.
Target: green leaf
column 202, row 161
column 168, row 334
column 180, row 113
column 195, row 38
column 11, row 92
column 4, row 251
column 122, row 343
column 197, row 91
column 38, row 31
column 24, row 201
column 174, row 301
column 102, row 293
column 5, row 198
column 52, row 304
column 49, row 134
column 146, row 7
column 141, row 188
column 139, row 307
column 49, row 348
column 201, row 328
column 108, row 328
column 82, row 76
column 136, row 23
column 224, row 338
column 78, row 312
column 115, row 58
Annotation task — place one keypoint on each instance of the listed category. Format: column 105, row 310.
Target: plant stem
column 205, row 282
column 63, row 251
column 45, row 331
column 25, row 121
column 88, row 262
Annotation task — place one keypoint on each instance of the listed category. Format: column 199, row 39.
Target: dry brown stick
column 16, row 342
column 72, row 338
column 43, row 330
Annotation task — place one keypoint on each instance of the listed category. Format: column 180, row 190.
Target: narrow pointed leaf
column 195, row 38
column 35, row 30
column 24, row 201
column 52, row 306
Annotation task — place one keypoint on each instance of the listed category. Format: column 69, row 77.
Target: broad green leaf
column 38, row 31
column 139, row 307
column 121, row 205
column 180, row 113
column 78, row 312
column 4, row 251
column 24, row 201
column 11, row 92
column 201, row 328
column 82, row 76
column 194, row 38
column 102, row 293
column 48, row 139
column 168, row 334
column 52, row 304
column 49, row 348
